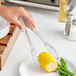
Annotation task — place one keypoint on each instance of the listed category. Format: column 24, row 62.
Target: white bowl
column 4, row 27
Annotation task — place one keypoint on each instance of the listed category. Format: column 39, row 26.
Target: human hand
column 12, row 14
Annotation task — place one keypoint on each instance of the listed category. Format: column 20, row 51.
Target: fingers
column 25, row 22
column 28, row 17
column 17, row 22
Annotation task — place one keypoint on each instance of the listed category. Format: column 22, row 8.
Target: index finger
column 29, row 18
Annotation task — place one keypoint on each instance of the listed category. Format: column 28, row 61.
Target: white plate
column 28, row 68
column 4, row 27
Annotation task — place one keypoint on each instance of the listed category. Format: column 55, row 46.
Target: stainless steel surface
column 68, row 24
column 72, row 5
column 46, row 4
column 74, row 22
column 33, row 4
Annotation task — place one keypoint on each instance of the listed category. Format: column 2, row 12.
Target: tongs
column 49, row 47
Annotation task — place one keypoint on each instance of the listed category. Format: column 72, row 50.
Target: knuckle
column 21, row 8
column 31, row 16
column 13, row 20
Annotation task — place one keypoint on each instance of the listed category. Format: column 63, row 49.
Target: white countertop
column 48, row 25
